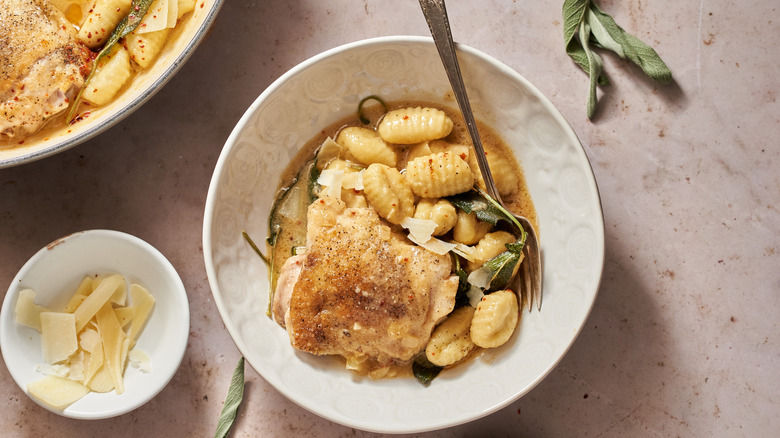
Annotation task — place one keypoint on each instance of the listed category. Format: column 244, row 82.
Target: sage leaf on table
column 233, row 400
column 585, row 27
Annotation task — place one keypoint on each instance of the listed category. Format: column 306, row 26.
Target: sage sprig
column 232, row 401
column 586, row 26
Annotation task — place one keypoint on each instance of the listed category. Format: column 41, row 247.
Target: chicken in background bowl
column 49, row 50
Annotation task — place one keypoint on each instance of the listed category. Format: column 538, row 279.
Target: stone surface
column 683, row 339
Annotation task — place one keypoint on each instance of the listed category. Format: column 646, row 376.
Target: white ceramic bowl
column 182, row 43
column 55, row 271
column 327, row 88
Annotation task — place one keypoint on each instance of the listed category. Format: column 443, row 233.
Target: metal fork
column 531, row 270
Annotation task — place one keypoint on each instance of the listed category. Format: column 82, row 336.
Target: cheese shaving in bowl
column 419, row 229
column 421, row 233
column 480, row 278
column 353, row 180
column 331, row 179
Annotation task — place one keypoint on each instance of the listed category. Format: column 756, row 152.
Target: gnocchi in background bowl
column 110, row 98
column 328, row 88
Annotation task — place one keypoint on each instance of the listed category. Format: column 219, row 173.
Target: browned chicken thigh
column 42, row 65
column 362, row 290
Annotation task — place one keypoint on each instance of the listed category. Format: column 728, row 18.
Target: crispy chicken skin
column 362, row 290
column 42, row 65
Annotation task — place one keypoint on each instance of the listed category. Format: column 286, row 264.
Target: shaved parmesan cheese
column 76, row 367
column 329, row 151
column 124, row 315
column 58, row 336
column 93, row 362
column 185, row 6
column 86, row 345
column 119, row 296
column 474, row 295
column 156, row 17
column 59, row 370
column 143, row 303
column 95, row 301
column 101, row 381
column 434, row 245
column 480, row 278
column 140, row 360
column 27, row 312
column 465, row 251
column 87, row 285
column 354, row 180
column 173, row 13
column 420, row 230
column 75, row 301
column 57, row 392
column 89, row 340
column 112, row 337
column 331, row 179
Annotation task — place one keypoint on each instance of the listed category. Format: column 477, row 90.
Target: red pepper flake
column 406, row 117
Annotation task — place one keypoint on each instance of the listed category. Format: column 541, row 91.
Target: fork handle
column 435, row 13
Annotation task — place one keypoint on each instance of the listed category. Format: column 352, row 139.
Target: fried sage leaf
column 474, row 202
column 424, row 370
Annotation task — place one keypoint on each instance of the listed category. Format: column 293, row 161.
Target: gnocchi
column 440, row 211
column 468, row 230
column 101, row 20
column 504, row 174
column 144, row 47
column 366, row 146
column 414, row 125
column 451, row 341
column 494, row 319
column 111, row 74
column 439, row 175
column 388, row 193
column 490, row 246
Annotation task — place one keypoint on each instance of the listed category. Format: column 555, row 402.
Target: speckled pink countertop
column 683, row 339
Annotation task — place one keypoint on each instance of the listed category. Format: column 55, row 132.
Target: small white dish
column 55, row 271
column 327, row 88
